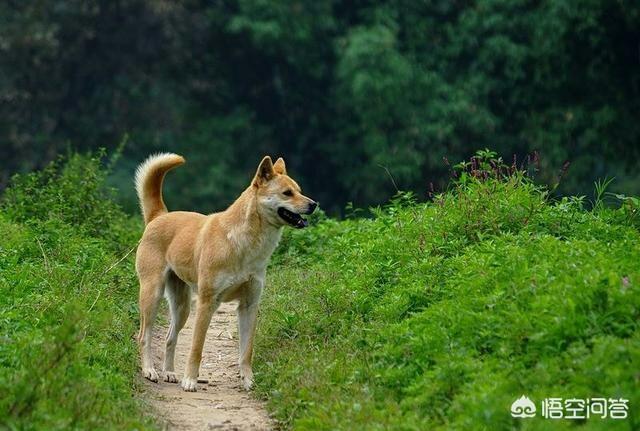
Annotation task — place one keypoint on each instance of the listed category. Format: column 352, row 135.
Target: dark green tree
column 356, row 96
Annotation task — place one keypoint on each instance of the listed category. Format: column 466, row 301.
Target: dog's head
column 279, row 197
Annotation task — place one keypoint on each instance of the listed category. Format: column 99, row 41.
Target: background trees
column 341, row 89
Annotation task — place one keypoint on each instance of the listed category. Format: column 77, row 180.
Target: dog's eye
column 287, row 193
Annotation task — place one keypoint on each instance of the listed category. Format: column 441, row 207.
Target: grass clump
column 439, row 315
column 67, row 308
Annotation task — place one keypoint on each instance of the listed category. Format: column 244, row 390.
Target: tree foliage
column 345, row 91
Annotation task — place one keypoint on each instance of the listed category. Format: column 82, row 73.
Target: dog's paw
column 150, row 374
column 170, row 376
column 189, row 385
column 247, row 383
column 246, row 375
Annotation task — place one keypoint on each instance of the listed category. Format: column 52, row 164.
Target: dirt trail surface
column 220, row 404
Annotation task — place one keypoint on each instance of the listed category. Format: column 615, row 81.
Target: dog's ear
column 265, row 172
column 279, row 167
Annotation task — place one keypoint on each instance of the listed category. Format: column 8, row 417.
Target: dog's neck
column 255, row 230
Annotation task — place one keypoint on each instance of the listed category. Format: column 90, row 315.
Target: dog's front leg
column 208, row 302
column 247, row 317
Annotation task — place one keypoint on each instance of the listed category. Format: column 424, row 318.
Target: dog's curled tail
column 149, row 177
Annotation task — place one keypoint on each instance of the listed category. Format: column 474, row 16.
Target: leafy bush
column 70, row 190
column 439, row 315
column 67, row 303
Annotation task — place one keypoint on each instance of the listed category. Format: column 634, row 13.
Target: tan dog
column 222, row 255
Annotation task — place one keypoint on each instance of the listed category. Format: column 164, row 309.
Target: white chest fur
column 249, row 262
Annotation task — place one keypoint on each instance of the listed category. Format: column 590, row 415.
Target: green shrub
column 440, row 315
column 71, row 190
column 67, row 307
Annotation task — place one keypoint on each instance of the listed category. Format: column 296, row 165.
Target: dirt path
column 220, row 404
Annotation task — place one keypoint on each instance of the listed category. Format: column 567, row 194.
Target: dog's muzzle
column 293, row 219
column 312, row 207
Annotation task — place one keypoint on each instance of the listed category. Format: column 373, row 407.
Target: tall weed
column 67, row 313
column 439, row 315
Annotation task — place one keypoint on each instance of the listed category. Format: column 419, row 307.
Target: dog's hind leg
column 151, row 288
column 178, row 296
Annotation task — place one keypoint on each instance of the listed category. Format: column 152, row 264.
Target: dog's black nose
column 312, row 207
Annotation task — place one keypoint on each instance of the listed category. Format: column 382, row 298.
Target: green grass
column 68, row 309
column 423, row 317
column 439, row 315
